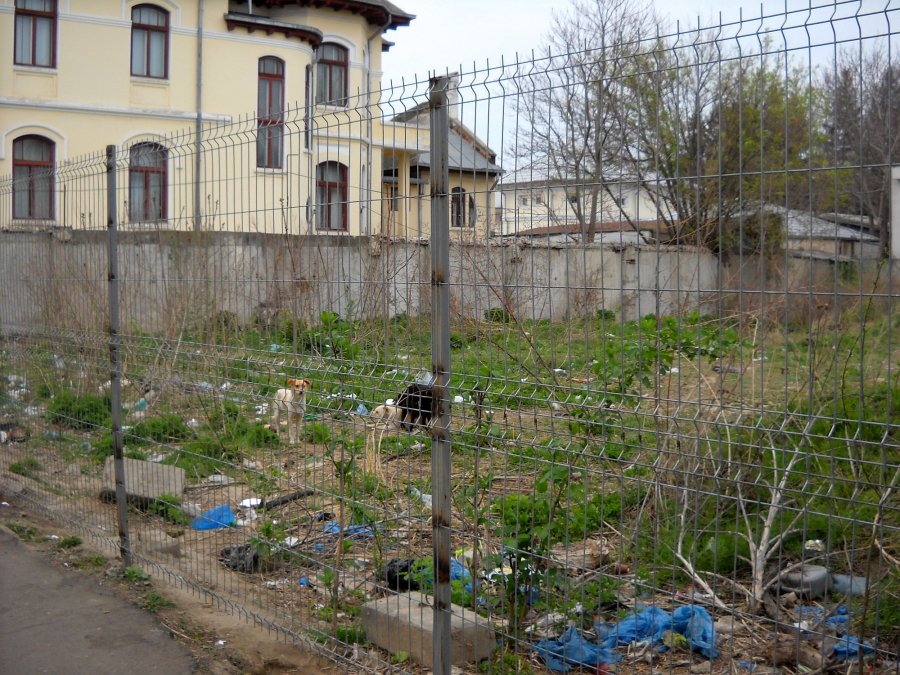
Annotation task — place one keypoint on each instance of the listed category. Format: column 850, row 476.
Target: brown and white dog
column 292, row 401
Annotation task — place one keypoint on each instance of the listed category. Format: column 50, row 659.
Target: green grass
column 27, row 467
column 24, row 532
column 135, row 574
column 153, row 602
column 84, row 411
column 69, row 542
column 87, row 561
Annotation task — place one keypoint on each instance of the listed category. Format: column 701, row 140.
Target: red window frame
column 148, row 28
column 458, row 208
column 330, row 186
column 34, row 166
column 35, row 13
column 268, row 121
column 144, row 173
column 330, row 98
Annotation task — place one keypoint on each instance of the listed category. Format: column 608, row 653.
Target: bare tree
column 862, row 135
column 573, row 126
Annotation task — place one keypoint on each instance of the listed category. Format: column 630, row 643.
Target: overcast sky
column 466, row 32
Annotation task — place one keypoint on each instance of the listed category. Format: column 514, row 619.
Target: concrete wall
column 174, row 280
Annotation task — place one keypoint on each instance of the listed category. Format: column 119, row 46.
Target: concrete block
column 157, row 541
column 145, row 482
column 405, row 623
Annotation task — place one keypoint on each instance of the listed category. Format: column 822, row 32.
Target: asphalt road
column 54, row 621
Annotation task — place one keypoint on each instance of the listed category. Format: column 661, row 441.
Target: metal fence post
column 440, row 368
column 115, row 389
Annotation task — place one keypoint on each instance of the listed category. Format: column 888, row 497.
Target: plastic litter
column 4, row 503
column 332, row 527
column 696, row 625
column 746, row 665
column 458, row 399
column 220, row 643
column 243, row 558
column 251, row 503
column 425, row 499
column 849, row 647
column 304, row 581
column 276, row 348
column 398, row 574
column 215, row 519
column 51, row 434
column 362, row 410
column 291, row 542
column 844, row 583
column 572, row 650
column 648, row 625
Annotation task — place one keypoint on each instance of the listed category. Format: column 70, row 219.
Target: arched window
column 331, row 196
column 35, row 33
column 331, row 75
column 33, row 178
column 270, row 106
column 458, row 207
column 149, row 41
column 147, row 182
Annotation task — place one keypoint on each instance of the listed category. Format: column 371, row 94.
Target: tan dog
column 292, row 401
column 387, row 415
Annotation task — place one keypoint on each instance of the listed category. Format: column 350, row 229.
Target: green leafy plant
column 69, row 542
column 24, row 532
column 84, row 411
column 27, row 467
column 153, row 602
column 90, row 561
column 135, row 574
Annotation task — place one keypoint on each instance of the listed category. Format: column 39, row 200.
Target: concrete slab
column 145, row 482
column 157, row 541
column 405, row 623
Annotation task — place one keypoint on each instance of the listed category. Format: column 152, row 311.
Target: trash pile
column 572, row 650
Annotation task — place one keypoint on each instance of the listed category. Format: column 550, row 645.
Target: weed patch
column 27, row 467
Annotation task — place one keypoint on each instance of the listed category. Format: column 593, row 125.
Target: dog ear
column 307, row 384
column 290, row 382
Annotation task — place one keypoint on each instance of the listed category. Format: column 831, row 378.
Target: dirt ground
column 190, row 633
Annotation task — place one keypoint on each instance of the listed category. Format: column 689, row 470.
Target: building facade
column 242, row 116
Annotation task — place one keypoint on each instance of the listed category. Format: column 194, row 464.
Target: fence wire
column 673, row 361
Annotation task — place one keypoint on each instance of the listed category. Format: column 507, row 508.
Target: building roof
column 376, row 12
column 575, row 228
column 253, row 22
column 467, row 152
column 542, row 172
column 463, row 156
column 804, row 225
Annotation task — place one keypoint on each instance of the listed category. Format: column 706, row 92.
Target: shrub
column 86, row 411
column 27, row 467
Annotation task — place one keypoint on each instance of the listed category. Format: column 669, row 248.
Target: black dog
column 416, row 406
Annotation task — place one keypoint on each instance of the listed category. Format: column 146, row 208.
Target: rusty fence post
column 440, row 368
column 115, row 369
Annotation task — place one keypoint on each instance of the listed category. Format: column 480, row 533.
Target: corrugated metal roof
column 804, row 225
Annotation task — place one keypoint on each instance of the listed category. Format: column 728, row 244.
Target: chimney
column 453, row 96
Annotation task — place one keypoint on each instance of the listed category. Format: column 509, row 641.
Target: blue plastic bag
column 216, row 519
column 648, row 625
column 696, row 625
column 848, row 647
column 332, row 527
column 572, row 650
column 458, row 572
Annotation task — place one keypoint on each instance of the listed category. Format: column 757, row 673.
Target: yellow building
column 322, row 153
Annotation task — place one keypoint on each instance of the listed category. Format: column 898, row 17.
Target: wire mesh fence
column 646, row 273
